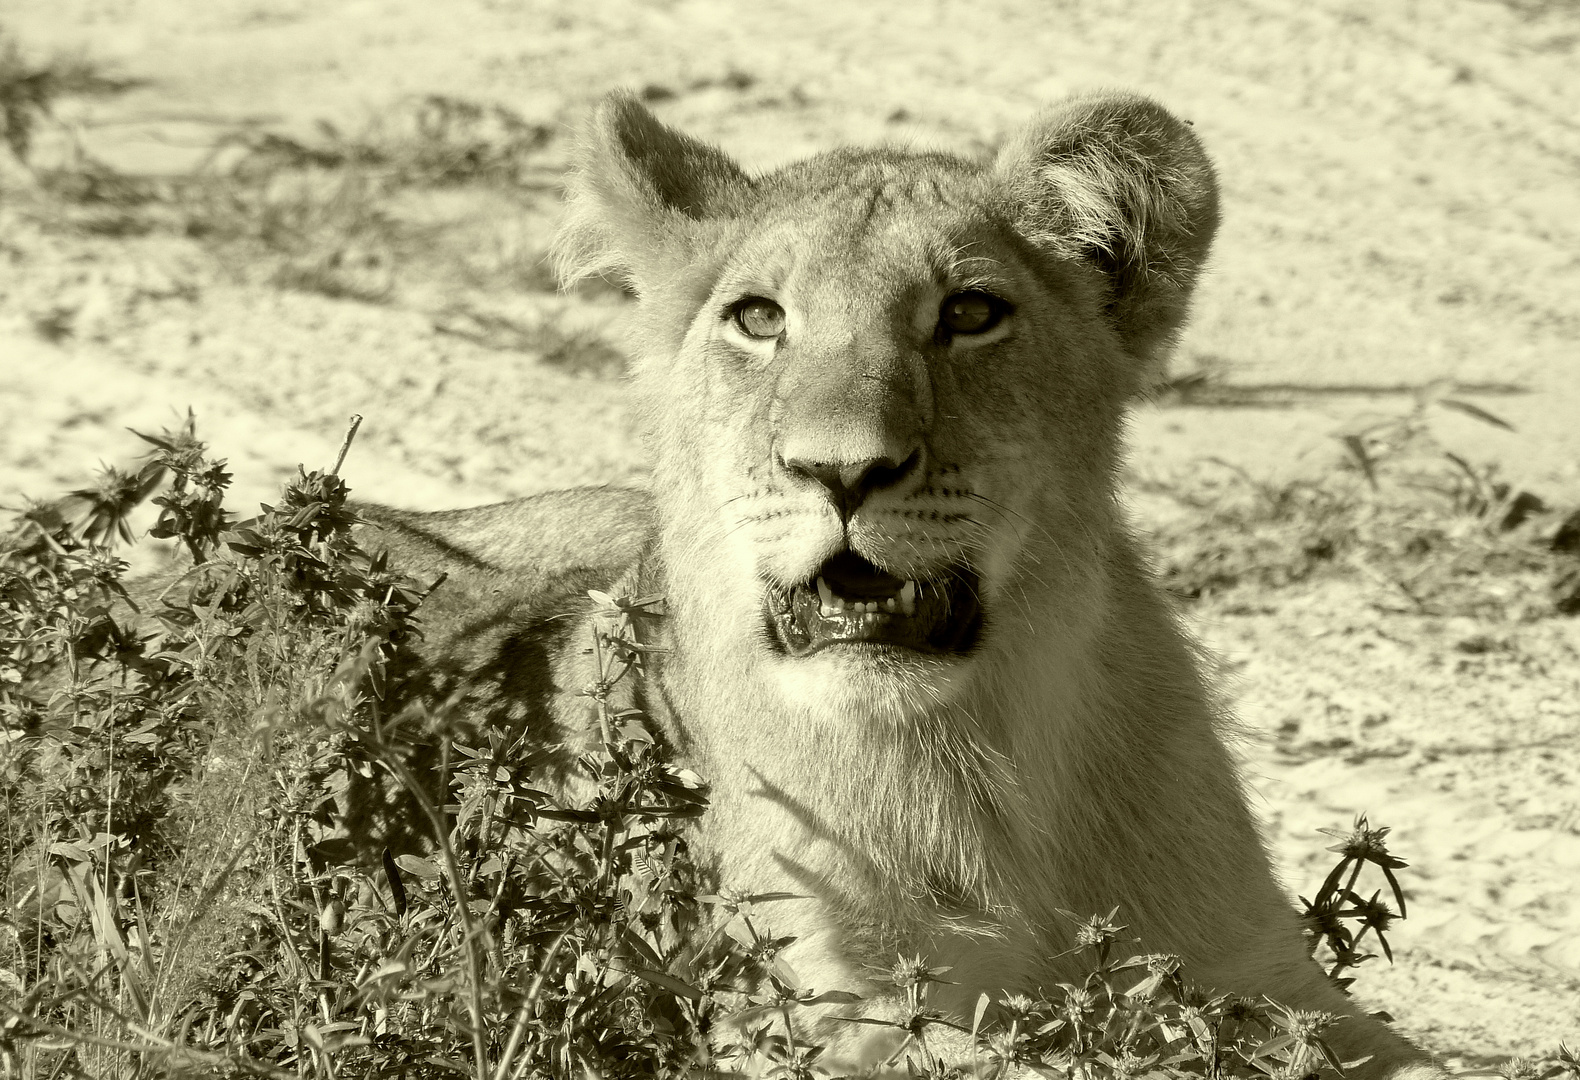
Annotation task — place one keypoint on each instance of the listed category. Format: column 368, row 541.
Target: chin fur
column 856, row 684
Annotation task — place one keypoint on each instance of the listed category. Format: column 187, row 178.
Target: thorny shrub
column 183, row 898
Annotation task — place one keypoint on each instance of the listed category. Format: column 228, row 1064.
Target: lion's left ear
column 1117, row 180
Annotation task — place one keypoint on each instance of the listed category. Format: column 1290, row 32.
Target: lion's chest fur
column 897, row 838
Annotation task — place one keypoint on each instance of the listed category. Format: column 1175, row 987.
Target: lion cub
column 909, row 639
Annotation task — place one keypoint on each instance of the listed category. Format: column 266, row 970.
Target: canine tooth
column 829, row 603
column 908, row 598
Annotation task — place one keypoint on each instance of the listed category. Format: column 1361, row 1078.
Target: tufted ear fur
column 635, row 189
column 1118, row 181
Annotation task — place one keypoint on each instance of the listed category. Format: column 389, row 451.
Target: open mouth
column 850, row 601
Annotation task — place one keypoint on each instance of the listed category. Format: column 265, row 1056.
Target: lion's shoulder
column 506, row 624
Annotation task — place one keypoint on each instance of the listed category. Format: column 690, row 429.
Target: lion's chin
column 854, row 607
column 865, row 683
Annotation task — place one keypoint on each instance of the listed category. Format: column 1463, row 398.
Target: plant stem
column 453, row 871
column 525, row 1011
column 345, row 444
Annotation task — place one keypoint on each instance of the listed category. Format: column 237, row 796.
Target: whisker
column 1046, row 532
column 1001, row 508
column 741, row 523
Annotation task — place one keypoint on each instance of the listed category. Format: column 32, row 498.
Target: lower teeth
column 857, row 607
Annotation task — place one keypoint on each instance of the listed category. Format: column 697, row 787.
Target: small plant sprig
column 1338, row 918
column 914, row 979
column 1564, row 1064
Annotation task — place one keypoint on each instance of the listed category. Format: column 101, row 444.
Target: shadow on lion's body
column 951, row 803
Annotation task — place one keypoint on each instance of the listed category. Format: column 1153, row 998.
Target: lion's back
column 544, row 535
column 505, row 626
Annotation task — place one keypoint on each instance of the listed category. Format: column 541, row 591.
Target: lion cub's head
column 884, row 388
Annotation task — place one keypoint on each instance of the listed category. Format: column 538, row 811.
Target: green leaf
column 644, row 952
column 425, row 869
column 668, row 982
column 387, row 970
column 1273, row 1046
column 833, row 997
column 870, row 1021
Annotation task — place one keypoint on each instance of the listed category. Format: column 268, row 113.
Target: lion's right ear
column 637, row 190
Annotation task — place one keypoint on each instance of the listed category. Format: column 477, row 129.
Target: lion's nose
column 850, row 482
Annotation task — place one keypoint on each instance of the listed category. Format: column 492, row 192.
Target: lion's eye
column 760, row 318
column 969, row 313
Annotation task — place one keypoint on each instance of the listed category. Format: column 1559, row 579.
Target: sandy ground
column 1401, row 206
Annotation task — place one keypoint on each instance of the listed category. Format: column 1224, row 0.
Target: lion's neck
column 932, row 800
column 981, row 804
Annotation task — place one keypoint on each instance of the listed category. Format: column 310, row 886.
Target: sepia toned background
column 279, row 213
